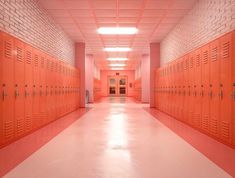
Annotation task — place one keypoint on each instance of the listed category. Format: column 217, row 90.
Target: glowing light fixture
column 117, row 65
column 117, row 59
column 117, row 30
column 117, row 49
column 117, row 68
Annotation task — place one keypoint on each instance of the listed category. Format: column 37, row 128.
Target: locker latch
column 34, row 92
column 16, row 92
column 4, row 94
column 210, row 94
column 202, row 93
column 26, row 93
column 221, row 94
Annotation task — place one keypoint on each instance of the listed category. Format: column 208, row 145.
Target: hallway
column 117, row 138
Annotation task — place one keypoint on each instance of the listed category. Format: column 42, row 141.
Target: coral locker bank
column 117, row 88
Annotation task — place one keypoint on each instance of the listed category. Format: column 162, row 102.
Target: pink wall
column 154, row 64
column 145, row 78
column 89, row 76
column 80, row 64
column 104, row 78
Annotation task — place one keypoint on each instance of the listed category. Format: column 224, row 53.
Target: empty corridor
column 117, row 138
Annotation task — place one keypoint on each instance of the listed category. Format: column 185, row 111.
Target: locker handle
column 40, row 92
column 4, row 94
column 221, row 94
column 210, row 94
column 17, row 93
column 233, row 95
column 26, row 93
column 202, row 93
column 195, row 93
column 34, row 93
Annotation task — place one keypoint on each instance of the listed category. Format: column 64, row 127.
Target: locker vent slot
column 28, row 57
column 36, row 61
column 19, row 55
column 52, row 66
column 225, row 129
column 205, row 57
column 186, row 64
column 28, row 123
column 205, row 122
column 214, row 126
column 42, row 62
column 198, row 60
column 8, row 48
column 9, row 129
column 225, row 50
column 191, row 62
column 19, row 124
column 48, row 64
column 214, row 54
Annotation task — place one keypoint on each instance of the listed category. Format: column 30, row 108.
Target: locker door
column 181, row 78
column 28, row 87
column 191, row 83
column 197, row 90
column 37, row 120
column 233, row 84
column 186, row 88
column 47, row 89
column 1, row 82
column 226, row 88
column 42, row 88
column 205, row 88
column 19, row 87
column 214, row 88
column 7, row 89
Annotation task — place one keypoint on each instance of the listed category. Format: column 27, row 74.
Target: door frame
column 117, row 79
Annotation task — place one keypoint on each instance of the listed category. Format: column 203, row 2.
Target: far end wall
column 104, row 80
column 207, row 20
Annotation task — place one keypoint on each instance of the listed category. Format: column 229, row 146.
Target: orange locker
column 28, row 73
column 233, row 84
column 37, row 120
column 205, row 88
column 191, row 85
column 19, row 87
column 42, row 88
column 47, row 88
column 197, row 90
column 186, row 88
column 226, row 88
column 214, row 88
column 181, row 83
column 7, row 89
column 1, row 83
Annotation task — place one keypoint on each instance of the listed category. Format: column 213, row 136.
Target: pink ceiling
column 81, row 18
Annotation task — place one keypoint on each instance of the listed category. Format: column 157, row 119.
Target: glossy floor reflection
column 117, row 139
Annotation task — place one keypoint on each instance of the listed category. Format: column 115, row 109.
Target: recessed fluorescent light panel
column 117, row 59
column 117, row 65
column 117, row 68
column 117, row 49
column 117, row 30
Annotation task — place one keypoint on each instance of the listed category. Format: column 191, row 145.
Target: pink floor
column 117, row 138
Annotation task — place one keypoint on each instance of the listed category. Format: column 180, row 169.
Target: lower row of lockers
column 35, row 88
column 199, row 88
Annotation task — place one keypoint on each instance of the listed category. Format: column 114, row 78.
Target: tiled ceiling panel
column 80, row 19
